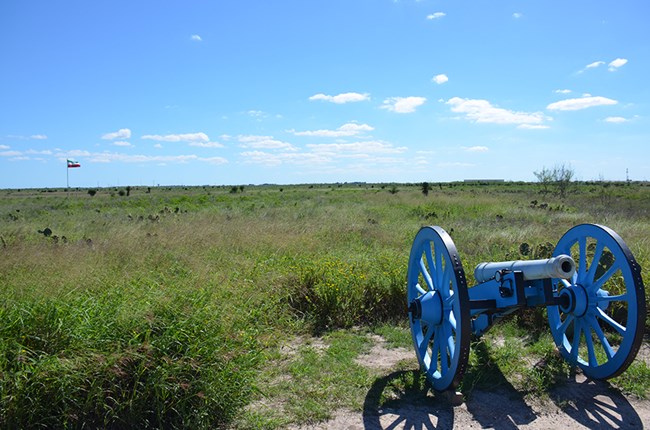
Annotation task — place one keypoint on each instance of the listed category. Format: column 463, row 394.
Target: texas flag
column 73, row 164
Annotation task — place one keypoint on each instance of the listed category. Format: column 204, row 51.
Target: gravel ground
column 577, row 404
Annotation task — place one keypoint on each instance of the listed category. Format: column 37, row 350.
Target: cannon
column 591, row 287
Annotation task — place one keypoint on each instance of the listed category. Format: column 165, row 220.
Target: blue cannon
column 591, row 287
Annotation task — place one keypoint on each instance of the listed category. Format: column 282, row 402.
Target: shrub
column 332, row 293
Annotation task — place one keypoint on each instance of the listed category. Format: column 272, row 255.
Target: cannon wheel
column 599, row 322
column 439, row 311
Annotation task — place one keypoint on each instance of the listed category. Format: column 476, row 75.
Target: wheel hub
column 428, row 308
column 574, row 300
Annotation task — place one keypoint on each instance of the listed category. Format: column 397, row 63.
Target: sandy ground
column 576, row 404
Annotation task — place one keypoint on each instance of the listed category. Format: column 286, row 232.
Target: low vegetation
column 170, row 307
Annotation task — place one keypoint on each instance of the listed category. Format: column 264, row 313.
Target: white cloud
column 532, row 126
column 35, row 152
column 264, row 142
column 562, row 91
column 616, row 119
column 206, row 144
column 403, row 104
column 368, row 148
column 594, row 64
column 158, row 145
column 196, row 38
column 349, row 129
column 10, row 153
column 122, row 143
column 123, row 133
column 436, row 15
column 517, row 15
column 112, row 157
column 482, row 111
column 186, row 137
column 341, row 98
column 440, row 79
column 33, row 136
column 614, row 65
column 257, row 113
column 581, row 103
column 276, row 159
column 476, row 149
column 4, row 147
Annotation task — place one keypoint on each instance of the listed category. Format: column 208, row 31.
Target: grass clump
column 176, row 367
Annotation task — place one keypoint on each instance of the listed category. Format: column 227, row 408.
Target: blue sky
column 303, row 91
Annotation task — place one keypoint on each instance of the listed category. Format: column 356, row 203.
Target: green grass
column 169, row 307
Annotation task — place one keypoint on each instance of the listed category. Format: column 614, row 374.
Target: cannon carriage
column 591, row 287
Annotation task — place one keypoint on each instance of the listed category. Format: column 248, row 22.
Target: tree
column 563, row 176
column 560, row 176
column 545, row 178
column 425, row 188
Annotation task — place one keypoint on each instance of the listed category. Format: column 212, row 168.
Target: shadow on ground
column 402, row 400
column 595, row 404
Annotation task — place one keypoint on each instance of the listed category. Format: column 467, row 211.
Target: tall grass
column 159, row 309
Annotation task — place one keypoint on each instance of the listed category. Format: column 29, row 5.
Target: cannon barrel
column 561, row 266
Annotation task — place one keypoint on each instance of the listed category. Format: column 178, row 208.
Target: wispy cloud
column 123, row 133
column 32, row 137
column 114, row 157
column 517, row 15
column 616, row 64
column 581, row 103
column 196, row 38
column 368, row 148
column 319, row 156
column 616, row 119
column 10, row 153
column 594, row 64
column 613, row 65
column 532, row 126
column 263, row 142
column 475, row 149
column 206, row 144
column 270, row 159
column 562, row 91
column 184, row 137
column 4, row 147
column 440, row 79
column 403, row 104
column 341, row 98
column 122, row 143
column 482, row 111
column 349, row 129
column 436, row 15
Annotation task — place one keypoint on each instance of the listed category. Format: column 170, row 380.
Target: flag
column 73, row 164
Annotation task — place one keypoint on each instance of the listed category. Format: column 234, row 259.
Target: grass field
column 168, row 307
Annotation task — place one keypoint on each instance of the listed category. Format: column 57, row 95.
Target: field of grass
column 168, row 307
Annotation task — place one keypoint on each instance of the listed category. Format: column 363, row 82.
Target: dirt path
column 576, row 404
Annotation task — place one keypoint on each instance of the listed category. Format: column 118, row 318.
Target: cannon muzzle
column 561, row 266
